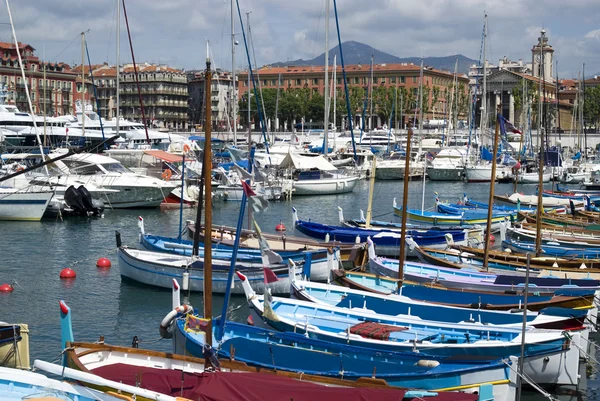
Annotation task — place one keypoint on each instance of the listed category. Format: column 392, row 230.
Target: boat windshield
column 115, row 168
column 78, row 167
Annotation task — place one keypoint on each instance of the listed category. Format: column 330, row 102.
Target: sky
column 174, row 32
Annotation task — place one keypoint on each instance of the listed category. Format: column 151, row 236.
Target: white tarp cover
column 292, row 160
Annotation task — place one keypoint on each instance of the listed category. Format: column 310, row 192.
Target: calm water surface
column 34, row 253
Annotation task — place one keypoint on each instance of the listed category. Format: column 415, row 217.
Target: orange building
column 402, row 76
column 56, row 93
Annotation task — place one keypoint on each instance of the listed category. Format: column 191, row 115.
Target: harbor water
column 104, row 304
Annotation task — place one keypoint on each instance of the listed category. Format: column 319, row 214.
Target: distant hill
column 360, row 53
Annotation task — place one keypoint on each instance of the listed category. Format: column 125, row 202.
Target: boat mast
column 490, row 209
column 44, row 88
column 483, row 122
column 583, row 112
column 404, row 211
column 249, row 77
column 206, row 162
column 326, row 83
column 233, row 94
column 421, row 132
column 334, row 80
column 540, row 203
column 371, row 99
column 118, row 62
column 37, row 135
column 82, row 84
column 371, row 190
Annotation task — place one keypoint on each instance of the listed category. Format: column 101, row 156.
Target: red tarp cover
column 227, row 386
column 375, row 330
column 166, row 156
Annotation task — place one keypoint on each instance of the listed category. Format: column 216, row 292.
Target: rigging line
column 262, row 100
column 113, row 25
column 317, row 32
column 225, row 13
column 78, row 36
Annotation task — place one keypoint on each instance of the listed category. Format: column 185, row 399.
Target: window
column 374, row 80
column 382, row 81
column 339, row 81
column 393, row 80
column 298, row 82
column 356, row 81
column 414, row 79
column 315, row 81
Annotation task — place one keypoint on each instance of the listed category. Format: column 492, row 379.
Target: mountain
column 360, row 53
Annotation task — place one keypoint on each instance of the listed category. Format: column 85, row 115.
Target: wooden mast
column 371, row 190
column 404, row 209
column 488, row 226
column 542, row 149
column 206, row 162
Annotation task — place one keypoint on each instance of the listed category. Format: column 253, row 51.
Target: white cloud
column 175, row 30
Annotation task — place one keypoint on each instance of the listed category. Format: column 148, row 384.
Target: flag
column 243, row 174
column 257, row 202
column 237, row 154
column 194, row 324
column 270, row 277
column 486, row 154
column 506, row 125
column 268, row 256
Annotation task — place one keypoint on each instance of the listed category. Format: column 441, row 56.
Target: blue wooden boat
column 547, row 358
column 388, row 241
column 549, row 249
column 395, row 305
column 444, row 219
column 295, row 352
column 564, row 298
column 469, row 213
column 473, row 280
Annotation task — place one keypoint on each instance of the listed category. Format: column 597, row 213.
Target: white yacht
column 448, row 165
column 104, row 177
column 377, row 139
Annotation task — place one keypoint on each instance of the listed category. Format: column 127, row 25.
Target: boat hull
column 445, row 174
column 334, row 186
column 24, row 206
column 160, row 271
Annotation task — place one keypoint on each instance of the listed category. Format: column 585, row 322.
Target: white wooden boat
column 483, row 173
column 533, row 178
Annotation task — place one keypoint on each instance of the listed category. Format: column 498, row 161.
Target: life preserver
column 186, row 148
column 165, row 324
column 167, row 174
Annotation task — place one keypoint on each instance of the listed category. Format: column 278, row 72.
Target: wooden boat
column 554, row 365
column 217, row 379
column 388, row 241
column 564, row 221
column 531, row 200
column 18, row 385
column 537, row 262
column 351, row 255
column 473, row 279
column 158, row 269
column 436, row 293
column 394, row 305
column 14, row 345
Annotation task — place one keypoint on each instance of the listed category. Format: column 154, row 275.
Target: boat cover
column 227, row 386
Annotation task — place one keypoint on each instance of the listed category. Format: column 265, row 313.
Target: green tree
column 383, row 102
column 316, row 108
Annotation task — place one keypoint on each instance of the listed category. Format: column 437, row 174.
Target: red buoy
column 103, row 263
column 492, row 239
column 280, row 226
column 6, row 288
column 67, row 273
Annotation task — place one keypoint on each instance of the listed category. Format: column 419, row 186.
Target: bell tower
column 542, row 57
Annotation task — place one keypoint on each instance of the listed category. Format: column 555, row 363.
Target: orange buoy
column 492, row 239
column 280, row 226
column 67, row 273
column 103, row 263
column 186, row 148
column 6, row 288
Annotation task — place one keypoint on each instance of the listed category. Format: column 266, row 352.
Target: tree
column 316, row 108
column 383, row 101
column 434, row 97
column 591, row 106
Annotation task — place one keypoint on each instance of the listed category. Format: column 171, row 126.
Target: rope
column 529, row 381
column 589, row 356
